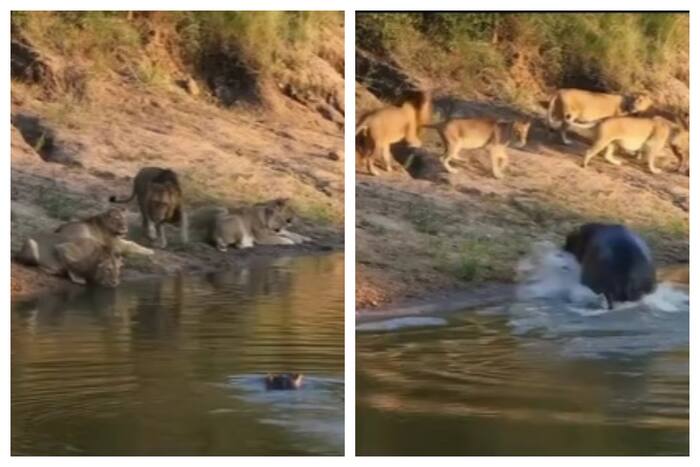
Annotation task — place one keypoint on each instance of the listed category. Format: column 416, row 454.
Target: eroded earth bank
column 430, row 234
column 89, row 111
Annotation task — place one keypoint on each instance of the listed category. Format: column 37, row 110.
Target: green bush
column 263, row 39
column 606, row 51
column 94, row 35
column 260, row 38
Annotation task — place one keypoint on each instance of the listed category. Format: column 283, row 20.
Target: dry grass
column 252, row 45
column 515, row 56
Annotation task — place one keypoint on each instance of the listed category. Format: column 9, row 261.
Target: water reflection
column 531, row 378
column 145, row 369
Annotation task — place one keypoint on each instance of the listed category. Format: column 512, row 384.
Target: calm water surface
column 174, row 366
column 526, row 379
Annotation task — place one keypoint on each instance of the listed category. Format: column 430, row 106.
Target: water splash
column 552, row 304
column 667, row 298
column 395, row 324
column 549, row 273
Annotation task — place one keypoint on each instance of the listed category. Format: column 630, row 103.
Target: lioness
column 474, row 133
column 614, row 261
column 378, row 130
column 633, row 134
column 585, row 108
column 680, row 145
column 107, row 229
column 262, row 223
column 83, row 260
column 160, row 202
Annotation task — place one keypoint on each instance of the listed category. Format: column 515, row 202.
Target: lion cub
column 83, row 260
column 378, row 130
column 475, row 133
column 263, row 223
column 633, row 134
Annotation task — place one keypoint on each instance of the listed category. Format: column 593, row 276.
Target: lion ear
column 282, row 201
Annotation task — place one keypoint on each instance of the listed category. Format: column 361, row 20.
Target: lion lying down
column 87, row 251
column 260, row 224
column 82, row 260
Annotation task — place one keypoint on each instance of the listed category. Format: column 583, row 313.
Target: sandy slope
column 417, row 237
column 222, row 155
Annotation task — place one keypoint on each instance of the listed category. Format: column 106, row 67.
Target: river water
column 175, row 366
column 533, row 377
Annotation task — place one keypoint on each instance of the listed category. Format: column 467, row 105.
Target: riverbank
column 434, row 232
column 77, row 139
column 486, row 295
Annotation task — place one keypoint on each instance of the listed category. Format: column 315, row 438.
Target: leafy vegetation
column 262, row 38
column 500, row 53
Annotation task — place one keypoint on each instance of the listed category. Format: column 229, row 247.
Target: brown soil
column 70, row 156
column 441, row 232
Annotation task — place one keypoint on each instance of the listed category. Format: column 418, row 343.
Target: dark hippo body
column 285, row 381
column 614, row 261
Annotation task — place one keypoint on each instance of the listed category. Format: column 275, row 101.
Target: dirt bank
column 436, row 233
column 69, row 154
column 444, row 232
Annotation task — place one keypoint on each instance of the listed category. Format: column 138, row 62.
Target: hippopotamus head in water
column 614, row 261
column 284, row 381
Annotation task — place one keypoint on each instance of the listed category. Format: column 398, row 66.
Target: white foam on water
column 667, row 298
column 552, row 304
column 550, row 273
column 401, row 323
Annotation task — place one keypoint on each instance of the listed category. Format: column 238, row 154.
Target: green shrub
column 262, row 39
column 605, row 51
column 94, row 35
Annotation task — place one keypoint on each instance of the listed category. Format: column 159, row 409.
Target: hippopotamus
column 615, row 261
column 283, row 381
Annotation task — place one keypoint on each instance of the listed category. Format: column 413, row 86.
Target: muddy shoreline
column 446, row 301
column 484, row 295
column 28, row 282
column 223, row 156
column 422, row 236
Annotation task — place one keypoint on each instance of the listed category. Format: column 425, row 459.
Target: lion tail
column 435, row 126
column 361, row 126
column 550, row 113
column 583, row 125
column 114, row 199
column 29, row 254
column 363, row 143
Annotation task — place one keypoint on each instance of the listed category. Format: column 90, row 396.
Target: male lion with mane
column 160, row 201
column 379, row 129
